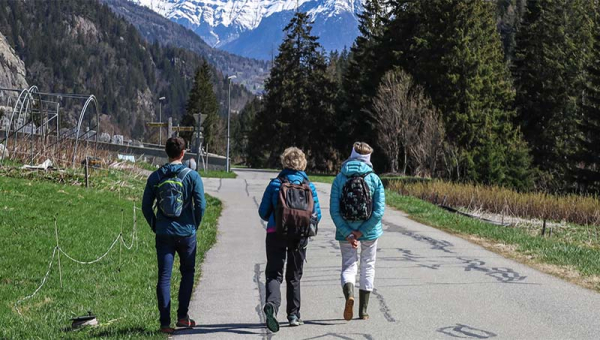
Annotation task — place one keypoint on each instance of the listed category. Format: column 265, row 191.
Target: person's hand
column 357, row 234
column 352, row 240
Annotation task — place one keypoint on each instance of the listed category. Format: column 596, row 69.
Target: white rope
column 96, row 260
column 40, row 286
column 57, row 250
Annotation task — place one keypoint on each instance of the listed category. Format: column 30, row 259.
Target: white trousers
column 368, row 254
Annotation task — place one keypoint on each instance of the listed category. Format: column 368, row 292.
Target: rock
column 12, row 69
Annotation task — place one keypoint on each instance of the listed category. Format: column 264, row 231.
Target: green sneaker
column 272, row 323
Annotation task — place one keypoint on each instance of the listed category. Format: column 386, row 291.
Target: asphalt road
column 429, row 284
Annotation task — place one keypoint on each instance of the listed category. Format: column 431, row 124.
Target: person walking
column 357, row 204
column 278, row 246
column 180, row 202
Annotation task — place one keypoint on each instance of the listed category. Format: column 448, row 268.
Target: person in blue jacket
column 363, row 233
column 294, row 164
column 175, row 234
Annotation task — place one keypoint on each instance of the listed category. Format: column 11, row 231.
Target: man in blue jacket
column 175, row 233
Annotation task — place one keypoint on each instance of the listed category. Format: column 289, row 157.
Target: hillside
column 82, row 47
column 154, row 27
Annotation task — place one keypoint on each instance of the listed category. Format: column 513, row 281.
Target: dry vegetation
column 571, row 209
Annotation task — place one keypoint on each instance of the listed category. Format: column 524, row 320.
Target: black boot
column 363, row 303
column 349, row 295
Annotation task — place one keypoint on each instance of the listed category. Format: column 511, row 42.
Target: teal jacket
column 193, row 196
column 371, row 229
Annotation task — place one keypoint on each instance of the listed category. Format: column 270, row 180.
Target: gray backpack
column 169, row 193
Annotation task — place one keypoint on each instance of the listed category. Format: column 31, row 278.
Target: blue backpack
column 169, row 193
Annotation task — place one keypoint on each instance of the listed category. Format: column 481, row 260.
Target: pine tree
column 361, row 79
column 453, row 50
column 589, row 143
column 298, row 105
column 203, row 100
column 553, row 49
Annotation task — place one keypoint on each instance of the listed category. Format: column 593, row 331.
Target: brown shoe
column 186, row 322
column 167, row 329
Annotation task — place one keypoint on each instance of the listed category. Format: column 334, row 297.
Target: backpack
column 294, row 211
column 169, row 193
column 356, row 203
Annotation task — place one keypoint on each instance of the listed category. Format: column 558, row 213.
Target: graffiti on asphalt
column 466, row 332
column 501, row 274
column 435, row 244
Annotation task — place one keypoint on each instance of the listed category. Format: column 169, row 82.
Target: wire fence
column 58, row 250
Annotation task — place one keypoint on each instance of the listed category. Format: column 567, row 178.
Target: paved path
column 429, row 284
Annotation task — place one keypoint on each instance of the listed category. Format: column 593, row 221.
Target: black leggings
column 277, row 251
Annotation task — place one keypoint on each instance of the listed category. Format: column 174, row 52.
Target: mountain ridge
column 251, row 27
column 156, row 28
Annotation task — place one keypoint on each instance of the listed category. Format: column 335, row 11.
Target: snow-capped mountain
column 253, row 28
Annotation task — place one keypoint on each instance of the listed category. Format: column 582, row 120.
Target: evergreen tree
column 453, row 50
column 589, row 142
column 361, row 79
column 553, row 48
column 203, row 100
column 298, row 105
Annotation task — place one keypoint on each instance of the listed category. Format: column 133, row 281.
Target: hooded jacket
column 267, row 206
column 194, row 203
column 371, row 229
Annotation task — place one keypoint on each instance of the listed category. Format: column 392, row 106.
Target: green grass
column 585, row 259
column 321, row 178
column 120, row 290
column 217, row 174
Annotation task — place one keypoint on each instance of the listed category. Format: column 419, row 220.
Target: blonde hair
column 363, row 148
column 293, row 158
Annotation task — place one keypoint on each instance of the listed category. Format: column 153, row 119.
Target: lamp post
column 229, row 118
column 160, row 100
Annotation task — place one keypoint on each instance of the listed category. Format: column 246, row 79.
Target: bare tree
column 406, row 121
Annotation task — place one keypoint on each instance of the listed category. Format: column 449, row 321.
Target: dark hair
column 174, row 147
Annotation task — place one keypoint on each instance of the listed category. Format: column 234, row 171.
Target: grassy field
column 569, row 258
column 119, row 289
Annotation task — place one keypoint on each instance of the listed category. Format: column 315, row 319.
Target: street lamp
column 160, row 100
column 229, row 117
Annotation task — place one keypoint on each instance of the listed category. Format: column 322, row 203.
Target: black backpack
column 356, row 203
column 294, row 210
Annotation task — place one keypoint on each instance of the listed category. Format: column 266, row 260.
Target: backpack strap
column 363, row 175
column 183, row 173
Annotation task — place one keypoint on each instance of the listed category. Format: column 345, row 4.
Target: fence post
column 544, row 227
column 58, row 250
column 87, row 181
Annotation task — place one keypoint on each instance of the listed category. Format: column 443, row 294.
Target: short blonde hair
column 293, row 158
column 363, row 148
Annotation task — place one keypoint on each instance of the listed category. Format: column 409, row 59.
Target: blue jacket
column 371, row 229
column 269, row 200
column 191, row 216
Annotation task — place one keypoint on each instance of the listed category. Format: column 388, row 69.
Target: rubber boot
column 363, row 304
column 349, row 295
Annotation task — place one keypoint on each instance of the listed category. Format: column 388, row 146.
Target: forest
column 503, row 93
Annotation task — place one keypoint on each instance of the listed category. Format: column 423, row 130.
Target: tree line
column 503, row 92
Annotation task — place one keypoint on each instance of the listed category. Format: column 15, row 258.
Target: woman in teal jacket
column 365, row 233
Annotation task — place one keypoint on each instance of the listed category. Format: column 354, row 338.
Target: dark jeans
column 277, row 250
column 166, row 247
